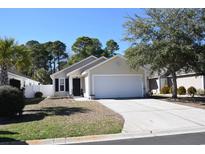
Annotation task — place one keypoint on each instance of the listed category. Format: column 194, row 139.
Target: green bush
column 38, row 94
column 181, row 90
column 165, row 90
column 191, row 91
column 11, row 101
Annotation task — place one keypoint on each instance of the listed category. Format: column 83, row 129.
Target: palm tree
column 11, row 55
column 22, row 60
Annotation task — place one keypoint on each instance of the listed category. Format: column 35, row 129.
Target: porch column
column 159, row 84
column 203, row 82
column 70, row 85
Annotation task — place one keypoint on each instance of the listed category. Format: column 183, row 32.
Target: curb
column 99, row 138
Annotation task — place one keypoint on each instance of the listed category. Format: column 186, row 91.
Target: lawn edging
column 101, row 138
column 65, row 140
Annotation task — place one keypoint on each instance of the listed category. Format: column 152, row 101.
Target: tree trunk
column 4, row 75
column 50, row 65
column 58, row 63
column 174, row 86
column 54, row 66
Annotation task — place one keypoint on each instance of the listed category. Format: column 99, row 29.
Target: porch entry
column 76, row 87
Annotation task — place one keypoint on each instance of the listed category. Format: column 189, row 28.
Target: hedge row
column 181, row 90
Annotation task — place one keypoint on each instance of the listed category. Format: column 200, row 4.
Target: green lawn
column 55, row 118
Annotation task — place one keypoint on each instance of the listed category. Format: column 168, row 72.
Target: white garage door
column 117, row 86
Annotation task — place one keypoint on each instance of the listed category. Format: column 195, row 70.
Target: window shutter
column 67, row 84
column 56, row 85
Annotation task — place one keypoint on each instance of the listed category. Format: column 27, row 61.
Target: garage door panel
column 117, row 86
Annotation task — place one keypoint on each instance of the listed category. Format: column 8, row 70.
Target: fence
column 47, row 90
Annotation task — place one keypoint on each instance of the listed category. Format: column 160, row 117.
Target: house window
column 62, row 85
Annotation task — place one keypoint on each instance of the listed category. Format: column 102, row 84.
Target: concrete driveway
column 154, row 116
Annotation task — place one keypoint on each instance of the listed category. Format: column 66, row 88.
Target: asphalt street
column 182, row 139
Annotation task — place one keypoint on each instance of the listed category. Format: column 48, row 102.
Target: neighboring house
column 19, row 80
column 100, row 78
column 156, row 82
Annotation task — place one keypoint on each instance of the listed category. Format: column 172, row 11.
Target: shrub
column 38, row 94
column 181, row 90
column 200, row 92
column 165, row 90
column 11, row 101
column 191, row 91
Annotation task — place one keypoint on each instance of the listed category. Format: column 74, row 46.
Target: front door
column 76, row 87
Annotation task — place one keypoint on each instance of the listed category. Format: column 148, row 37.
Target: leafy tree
column 111, row 47
column 86, row 46
column 39, row 56
column 51, row 59
column 32, row 43
column 37, row 60
column 42, row 76
column 11, row 55
column 73, row 59
column 166, row 39
column 59, row 52
column 46, row 57
column 56, row 54
column 62, row 64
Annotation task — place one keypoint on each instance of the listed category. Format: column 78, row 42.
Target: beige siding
column 117, row 65
column 186, row 81
column 195, row 81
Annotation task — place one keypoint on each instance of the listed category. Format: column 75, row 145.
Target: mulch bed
column 198, row 102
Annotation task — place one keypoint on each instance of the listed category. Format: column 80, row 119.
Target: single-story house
column 156, row 82
column 101, row 78
column 19, row 80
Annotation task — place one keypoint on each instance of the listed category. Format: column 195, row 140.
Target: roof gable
column 104, row 62
column 116, row 64
column 92, row 64
column 87, row 66
column 76, row 65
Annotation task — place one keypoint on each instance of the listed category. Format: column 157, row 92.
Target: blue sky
column 65, row 25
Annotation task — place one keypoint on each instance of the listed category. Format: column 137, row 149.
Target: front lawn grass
column 55, row 118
